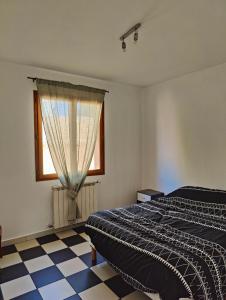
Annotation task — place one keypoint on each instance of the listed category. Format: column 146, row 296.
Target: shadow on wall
column 169, row 144
column 189, row 139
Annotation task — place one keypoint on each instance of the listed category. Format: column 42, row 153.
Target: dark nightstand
column 0, row 243
column 147, row 195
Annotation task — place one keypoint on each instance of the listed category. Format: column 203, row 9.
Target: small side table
column 148, row 195
column 0, row 241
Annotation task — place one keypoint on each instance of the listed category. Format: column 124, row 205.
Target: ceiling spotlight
column 124, row 46
column 135, row 37
column 128, row 33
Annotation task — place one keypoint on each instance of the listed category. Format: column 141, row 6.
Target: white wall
column 162, row 137
column 184, row 131
column 25, row 205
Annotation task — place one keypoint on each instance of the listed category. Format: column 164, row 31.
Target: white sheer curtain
column 71, row 116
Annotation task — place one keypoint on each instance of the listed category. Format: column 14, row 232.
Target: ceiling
column 82, row 37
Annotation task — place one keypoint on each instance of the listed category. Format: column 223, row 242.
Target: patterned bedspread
column 174, row 246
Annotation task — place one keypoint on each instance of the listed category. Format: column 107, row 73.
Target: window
column 43, row 162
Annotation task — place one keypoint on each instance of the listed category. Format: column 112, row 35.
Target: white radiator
column 65, row 210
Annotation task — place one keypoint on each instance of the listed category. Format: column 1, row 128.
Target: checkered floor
column 59, row 266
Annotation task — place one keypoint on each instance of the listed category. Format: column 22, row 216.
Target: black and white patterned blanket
column 172, row 245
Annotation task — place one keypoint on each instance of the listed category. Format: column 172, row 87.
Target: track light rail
column 130, row 31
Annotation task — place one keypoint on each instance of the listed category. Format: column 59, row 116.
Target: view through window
column 44, row 165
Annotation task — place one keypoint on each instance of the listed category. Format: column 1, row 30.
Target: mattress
column 174, row 246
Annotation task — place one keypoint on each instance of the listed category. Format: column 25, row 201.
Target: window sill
column 54, row 177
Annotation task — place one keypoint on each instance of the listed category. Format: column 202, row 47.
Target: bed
column 174, row 246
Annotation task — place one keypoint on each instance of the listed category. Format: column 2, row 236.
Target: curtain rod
column 35, row 78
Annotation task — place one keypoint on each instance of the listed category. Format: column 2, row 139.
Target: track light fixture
column 132, row 30
column 124, row 46
column 135, row 37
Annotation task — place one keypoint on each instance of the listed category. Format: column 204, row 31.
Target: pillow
column 200, row 194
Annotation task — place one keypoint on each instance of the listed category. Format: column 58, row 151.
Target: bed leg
column 94, row 254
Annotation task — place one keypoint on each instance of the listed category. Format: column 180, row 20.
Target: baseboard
column 37, row 235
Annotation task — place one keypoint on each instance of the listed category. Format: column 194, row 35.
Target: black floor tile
column 1, row 296
column 75, row 297
column 46, row 276
column 79, row 229
column 83, row 280
column 32, row 253
column 73, row 240
column 62, row 255
column 47, row 239
column 118, row 286
column 86, row 258
column 34, row 295
column 9, row 249
column 13, row 272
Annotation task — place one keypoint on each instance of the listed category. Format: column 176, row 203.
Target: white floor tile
column 100, row 291
column 38, row 263
column 153, row 296
column 82, row 248
column 58, row 290
column 85, row 236
column 71, row 266
column 26, row 245
column 141, row 296
column 65, row 234
column 17, row 287
column 104, row 271
column 54, row 246
column 10, row 259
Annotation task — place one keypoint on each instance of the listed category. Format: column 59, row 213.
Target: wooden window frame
column 39, row 148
